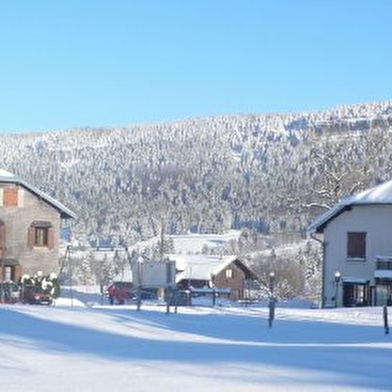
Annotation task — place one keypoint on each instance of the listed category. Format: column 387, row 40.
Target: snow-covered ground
column 72, row 347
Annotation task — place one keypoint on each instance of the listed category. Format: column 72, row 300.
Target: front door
column 355, row 294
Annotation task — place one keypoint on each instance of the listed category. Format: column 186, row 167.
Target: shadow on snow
column 320, row 346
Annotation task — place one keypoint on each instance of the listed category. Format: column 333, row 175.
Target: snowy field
column 102, row 348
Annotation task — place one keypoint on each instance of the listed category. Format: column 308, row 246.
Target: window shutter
column 21, row 198
column 2, row 239
column 30, row 236
column 51, row 238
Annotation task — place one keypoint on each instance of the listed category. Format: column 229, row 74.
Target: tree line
column 267, row 173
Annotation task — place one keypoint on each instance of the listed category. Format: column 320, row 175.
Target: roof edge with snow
column 378, row 195
column 10, row 178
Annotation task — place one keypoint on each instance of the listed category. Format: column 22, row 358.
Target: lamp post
column 337, row 280
column 271, row 304
column 139, row 282
column 272, row 283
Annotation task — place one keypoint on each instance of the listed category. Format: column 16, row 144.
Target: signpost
column 149, row 274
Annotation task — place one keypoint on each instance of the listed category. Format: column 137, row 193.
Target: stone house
column 30, row 223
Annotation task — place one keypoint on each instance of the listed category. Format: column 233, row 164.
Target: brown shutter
column 2, row 239
column 30, row 236
column 17, row 273
column 51, row 238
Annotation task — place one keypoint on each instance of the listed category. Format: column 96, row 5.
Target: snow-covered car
column 36, row 295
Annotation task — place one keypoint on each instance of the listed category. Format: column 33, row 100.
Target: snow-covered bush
column 48, row 283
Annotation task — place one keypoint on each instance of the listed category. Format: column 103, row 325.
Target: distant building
column 357, row 241
column 30, row 225
column 205, row 271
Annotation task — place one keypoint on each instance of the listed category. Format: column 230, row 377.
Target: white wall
column 376, row 221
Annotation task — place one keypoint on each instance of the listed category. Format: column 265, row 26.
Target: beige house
column 357, row 240
column 30, row 223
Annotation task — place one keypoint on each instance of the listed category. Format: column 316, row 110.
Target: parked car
column 10, row 292
column 145, row 294
column 36, row 295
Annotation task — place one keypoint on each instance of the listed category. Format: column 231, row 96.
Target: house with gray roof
column 356, row 235
column 30, row 223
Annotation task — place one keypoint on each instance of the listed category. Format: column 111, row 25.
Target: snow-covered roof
column 383, row 274
column 7, row 177
column 196, row 267
column 203, row 267
column 5, row 173
column 378, row 195
column 347, row 279
column 125, row 275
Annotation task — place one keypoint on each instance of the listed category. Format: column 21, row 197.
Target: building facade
column 30, row 223
column 357, row 241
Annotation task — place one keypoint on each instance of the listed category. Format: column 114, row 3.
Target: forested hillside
column 270, row 173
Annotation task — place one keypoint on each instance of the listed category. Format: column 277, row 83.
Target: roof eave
column 65, row 213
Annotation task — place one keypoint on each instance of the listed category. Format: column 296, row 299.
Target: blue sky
column 111, row 63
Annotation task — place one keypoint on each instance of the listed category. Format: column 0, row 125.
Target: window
column 41, row 234
column 229, row 273
column 356, row 245
column 10, row 197
column 7, row 273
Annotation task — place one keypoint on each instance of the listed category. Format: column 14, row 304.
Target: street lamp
column 337, row 280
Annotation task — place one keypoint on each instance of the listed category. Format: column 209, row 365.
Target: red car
column 36, row 295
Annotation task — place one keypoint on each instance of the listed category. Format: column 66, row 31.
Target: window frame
column 356, row 245
column 41, row 235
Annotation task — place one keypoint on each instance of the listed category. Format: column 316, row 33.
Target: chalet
column 30, row 223
column 356, row 235
column 228, row 274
